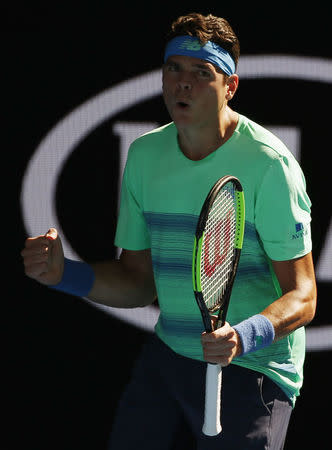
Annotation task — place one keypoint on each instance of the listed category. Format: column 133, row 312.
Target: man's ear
column 232, row 85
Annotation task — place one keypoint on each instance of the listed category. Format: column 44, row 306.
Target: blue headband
column 211, row 52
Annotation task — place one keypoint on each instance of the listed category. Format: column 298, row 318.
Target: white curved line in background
column 312, row 69
column 46, row 164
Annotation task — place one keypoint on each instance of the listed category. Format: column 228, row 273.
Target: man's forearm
column 120, row 287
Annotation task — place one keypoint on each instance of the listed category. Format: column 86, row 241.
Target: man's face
column 194, row 91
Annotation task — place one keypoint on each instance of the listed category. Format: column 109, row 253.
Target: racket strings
column 218, row 247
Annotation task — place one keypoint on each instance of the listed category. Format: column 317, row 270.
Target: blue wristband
column 77, row 279
column 255, row 333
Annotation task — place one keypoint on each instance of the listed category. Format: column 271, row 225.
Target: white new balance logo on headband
column 211, row 52
column 189, row 44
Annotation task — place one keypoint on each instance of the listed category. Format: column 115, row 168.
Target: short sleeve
column 282, row 211
column 131, row 231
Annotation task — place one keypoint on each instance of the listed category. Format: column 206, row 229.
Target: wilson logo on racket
column 222, row 237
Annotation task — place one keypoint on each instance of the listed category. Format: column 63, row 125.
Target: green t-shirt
column 162, row 194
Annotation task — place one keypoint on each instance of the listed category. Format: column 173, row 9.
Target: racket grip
column 212, row 425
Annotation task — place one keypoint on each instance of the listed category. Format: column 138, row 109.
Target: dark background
column 65, row 363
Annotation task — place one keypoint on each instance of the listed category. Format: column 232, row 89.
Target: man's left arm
column 294, row 309
column 297, row 305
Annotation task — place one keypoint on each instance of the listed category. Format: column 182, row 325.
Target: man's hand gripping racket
column 218, row 243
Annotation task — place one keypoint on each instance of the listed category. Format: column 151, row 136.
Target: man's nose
column 184, row 82
column 185, row 85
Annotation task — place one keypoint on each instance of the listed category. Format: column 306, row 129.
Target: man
column 168, row 174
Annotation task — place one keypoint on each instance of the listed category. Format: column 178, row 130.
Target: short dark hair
column 207, row 28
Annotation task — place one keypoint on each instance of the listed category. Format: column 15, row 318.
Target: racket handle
column 212, row 425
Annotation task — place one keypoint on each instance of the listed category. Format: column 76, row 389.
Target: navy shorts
column 162, row 408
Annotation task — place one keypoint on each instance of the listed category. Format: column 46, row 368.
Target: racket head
column 217, row 248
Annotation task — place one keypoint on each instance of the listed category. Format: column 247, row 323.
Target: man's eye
column 172, row 68
column 204, row 73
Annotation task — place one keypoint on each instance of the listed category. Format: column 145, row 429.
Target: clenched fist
column 43, row 258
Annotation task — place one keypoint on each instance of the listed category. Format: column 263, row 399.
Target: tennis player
column 168, row 174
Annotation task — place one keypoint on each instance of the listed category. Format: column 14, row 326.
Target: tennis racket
column 217, row 247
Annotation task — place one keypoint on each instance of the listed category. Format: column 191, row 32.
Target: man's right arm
column 124, row 283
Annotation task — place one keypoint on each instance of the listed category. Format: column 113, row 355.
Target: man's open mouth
column 182, row 104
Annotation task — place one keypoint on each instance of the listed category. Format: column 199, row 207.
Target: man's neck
column 198, row 142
